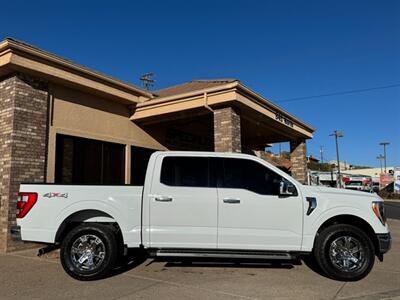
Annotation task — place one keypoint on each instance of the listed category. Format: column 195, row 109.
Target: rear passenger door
column 251, row 214
column 183, row 203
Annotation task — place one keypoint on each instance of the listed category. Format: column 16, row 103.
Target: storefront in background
column 64, row 123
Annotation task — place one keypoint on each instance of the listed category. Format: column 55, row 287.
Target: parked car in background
column 357, row 183
column 375, row 186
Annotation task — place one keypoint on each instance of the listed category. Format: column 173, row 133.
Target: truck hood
column 335, row 192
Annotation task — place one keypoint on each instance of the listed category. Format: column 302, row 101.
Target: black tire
column 104, row 250
column 331, row 256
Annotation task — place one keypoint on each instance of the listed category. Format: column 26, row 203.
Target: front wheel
column 89, row 251
column 344, row 252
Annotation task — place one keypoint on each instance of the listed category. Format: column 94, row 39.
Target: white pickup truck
column 209, row 205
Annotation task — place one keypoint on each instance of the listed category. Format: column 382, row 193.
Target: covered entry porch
column 223, row 116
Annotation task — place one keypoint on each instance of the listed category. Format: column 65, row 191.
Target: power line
column 339, row 93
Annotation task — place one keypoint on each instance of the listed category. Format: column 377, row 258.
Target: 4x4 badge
column 56, row 195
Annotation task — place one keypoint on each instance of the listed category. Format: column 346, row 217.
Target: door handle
column 163, row 198
column 232, row 200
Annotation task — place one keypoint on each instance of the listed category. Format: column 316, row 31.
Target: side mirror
column 286, row 188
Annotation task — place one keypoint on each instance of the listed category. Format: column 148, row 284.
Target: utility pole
column 321, row 152
column 384, row 144
column 380, row 157
column 337, row 134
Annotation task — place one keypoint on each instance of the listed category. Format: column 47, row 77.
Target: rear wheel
column 344, row 252
column 89, row 251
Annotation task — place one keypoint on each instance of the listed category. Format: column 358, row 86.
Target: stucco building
column 64, row 123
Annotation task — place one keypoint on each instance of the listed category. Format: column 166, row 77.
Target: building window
column 87, row 161
column 139, row 161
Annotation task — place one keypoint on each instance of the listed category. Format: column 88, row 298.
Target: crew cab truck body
column 209, row 205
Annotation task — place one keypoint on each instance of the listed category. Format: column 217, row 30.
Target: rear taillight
column 25, row 202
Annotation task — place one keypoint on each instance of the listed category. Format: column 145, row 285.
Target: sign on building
column 385, row 180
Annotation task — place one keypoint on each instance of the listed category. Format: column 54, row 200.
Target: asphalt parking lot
column 392, row 208
column 23, row 275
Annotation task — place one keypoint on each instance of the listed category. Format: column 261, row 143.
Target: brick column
column 298, row 153
column 227, row 133
column 23, row 140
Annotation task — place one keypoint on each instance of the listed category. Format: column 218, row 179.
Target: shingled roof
column 191, row 86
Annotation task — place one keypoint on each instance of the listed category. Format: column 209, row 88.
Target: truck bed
column 57, row 203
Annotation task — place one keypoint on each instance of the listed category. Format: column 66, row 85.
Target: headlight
column 378, row 208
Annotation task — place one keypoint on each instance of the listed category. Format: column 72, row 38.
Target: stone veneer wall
column 23, row 143
column 298, row 157
column 227, row 132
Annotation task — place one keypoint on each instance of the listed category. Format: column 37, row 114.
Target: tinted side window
column 186, row 171
column 249, row 175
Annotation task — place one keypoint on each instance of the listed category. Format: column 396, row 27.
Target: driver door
column 251, row 214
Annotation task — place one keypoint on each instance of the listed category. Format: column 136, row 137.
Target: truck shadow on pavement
column 133, row 261
column 310, row 262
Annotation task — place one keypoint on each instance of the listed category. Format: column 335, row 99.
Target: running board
column 212, row 253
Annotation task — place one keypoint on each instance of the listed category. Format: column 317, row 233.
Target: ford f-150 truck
column 209, row 205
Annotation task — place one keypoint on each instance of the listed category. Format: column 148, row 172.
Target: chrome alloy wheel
column 88, row 252
column 347, row 253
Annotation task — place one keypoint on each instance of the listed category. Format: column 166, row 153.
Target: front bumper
column 384, row 242
column 15, row 232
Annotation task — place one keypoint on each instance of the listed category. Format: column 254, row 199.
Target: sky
column 284, row 50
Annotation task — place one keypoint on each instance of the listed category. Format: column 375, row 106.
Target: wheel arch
column 354, row 221
column 86, row 216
